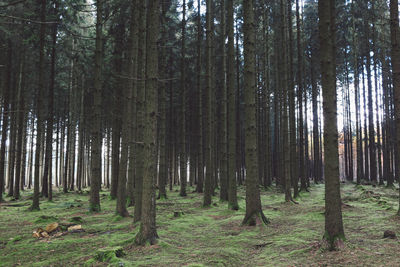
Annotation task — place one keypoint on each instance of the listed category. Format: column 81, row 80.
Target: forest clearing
column 207, row 236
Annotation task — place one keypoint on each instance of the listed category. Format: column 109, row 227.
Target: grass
column 205, row 236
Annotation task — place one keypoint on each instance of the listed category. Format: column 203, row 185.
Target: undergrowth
column 204, row 237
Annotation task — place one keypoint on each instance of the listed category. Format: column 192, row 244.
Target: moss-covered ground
column 205, row 236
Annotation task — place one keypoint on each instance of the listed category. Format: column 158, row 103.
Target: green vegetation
column 204, row 236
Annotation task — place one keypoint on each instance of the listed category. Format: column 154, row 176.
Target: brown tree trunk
column 96, row 116
column 148, row 232
column 35, row 202
column 232, row 194
column 208, row 186
column 140, row 114
column 5, row 119
column 394, row 33
column 333, row 214
column 254, row 213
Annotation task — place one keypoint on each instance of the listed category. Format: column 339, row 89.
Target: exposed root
column 255, row 218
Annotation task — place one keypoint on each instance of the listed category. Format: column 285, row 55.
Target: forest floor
column 206, row 236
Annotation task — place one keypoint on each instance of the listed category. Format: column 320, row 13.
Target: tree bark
column 35, row 202
column 231, row 89
column 333, row 213
column 395, row 52
column 208, row 186
column 254, row 213
column 140, row 112
column 5, row 118
column 182, row 155
column 96, row 115
column 148, row 232
column 223, row 113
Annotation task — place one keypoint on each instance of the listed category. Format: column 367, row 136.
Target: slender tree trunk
column 67, row 158
column 231, row 89
column 267, row 108
column 182, row 156
column 140, row 149
column 81, row 139
column 394, row 33
column 50, row 114
column 333, row 214
column 35, row 202
column 148, row 232
column 223, row 114
column 5, row 119
column 132, row 72
column 96, row 115
column 163, row 173
column 208, row 186
column 360, row 164
column 378, row 125
column 20, row 128
column 371, row 127
column 30, row 173
column 254, row 213
column 303, row 185
column 127, row 97
column 316, row 144
column 118, row 109
column 199, row 148
column 366, row 156
column 292, row 112
column 24, row 151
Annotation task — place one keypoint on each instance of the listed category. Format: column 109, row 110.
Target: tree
column 96, row 115
column 20, row 128
column 394, row 33
column 182, row 157
column 148, row 232
column 199, row 111
column 35, row 202
column 208, row 186
column 254, row 212
column 47, row 173
column 231, row 89
column 5, row 116
column 223, row 113
column 140, row 111
column 333, row 213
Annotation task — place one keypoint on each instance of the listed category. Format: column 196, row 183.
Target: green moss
column 117, row 218
column 46, row 219
column 202, row 237
column 94, row 208
column 109, row 254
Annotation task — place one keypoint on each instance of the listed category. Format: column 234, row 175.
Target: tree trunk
column 5, row 119
column 371, row 127
column 95, row 184
column 163, row 175
column 140, row 112
column 199, row 130
column 395, row 52
column 333, row 214
column 39, row 106
column 254, row 213
column 182, row 156
column 231, row 89
column 303, row 185
column 20, row 127
column 208, row 186
column 47, row 173
column 132, row 72
column 223, row 114
column 148, row 232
